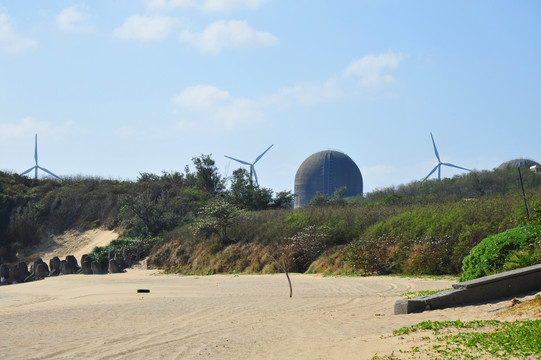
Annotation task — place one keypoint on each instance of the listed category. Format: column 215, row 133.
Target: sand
column 216, row 317
column 219, row 316
column 72, row 243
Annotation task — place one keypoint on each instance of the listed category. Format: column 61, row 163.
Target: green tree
column 207, row 176
column 217, row 217
column 150, row 212
column 283, row 200
column 246, row 195
column 337, row 198
column 319, row 199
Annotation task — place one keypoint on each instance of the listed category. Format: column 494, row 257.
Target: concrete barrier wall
column 506, row 284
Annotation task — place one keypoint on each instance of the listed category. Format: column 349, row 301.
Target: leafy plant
column 100, row 254
column 525, row 257
column 478, row 339
column 217, row 217
column 492, row 253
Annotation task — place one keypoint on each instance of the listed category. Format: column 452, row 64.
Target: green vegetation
column 499, row 252
column 216, row 218
column 205, row 224
column 476, row 339
column 416, row 294
column 100, row 254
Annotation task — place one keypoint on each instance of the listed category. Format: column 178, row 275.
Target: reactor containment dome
column 522, row 162
column 325, row 172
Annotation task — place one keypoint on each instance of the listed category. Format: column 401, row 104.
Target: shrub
column 150, row 212
column 430, row 256
column 524, row 257
column 217, row 217
column 100, row 254
column 373, row 256
column 304, row 247
column 491, row 254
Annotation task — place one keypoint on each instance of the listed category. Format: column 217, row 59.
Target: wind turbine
column 440, row 163
column 252, row 168
column 36, row 167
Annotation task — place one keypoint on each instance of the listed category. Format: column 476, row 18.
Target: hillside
column 198, row 225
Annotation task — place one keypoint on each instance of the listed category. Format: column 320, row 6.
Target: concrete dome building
column 325, row 172
column 517, row 163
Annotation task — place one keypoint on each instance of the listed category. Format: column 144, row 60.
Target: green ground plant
column 476, row 339
column 416, row 294
column 491, row 255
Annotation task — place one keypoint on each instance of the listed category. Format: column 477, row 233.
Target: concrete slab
column 506, row 284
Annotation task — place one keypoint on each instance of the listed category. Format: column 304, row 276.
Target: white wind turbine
column 440, row 164
column 36, row 167
column 252, row 168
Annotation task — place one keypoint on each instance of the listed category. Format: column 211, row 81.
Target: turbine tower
column 438, row 167
column 252, row 168
column 36, row 167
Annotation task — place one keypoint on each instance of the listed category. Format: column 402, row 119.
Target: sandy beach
column 219, row 316
column 216, row 317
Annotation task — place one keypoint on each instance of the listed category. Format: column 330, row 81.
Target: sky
column 115, row 88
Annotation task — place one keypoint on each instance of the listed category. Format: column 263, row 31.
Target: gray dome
column 517, row 163
column 325, row 172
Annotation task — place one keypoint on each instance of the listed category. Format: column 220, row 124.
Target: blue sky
column 118, row 87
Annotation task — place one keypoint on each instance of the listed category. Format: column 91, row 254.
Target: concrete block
column 506, row 284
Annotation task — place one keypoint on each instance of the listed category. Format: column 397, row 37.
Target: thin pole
column 283, row 266
column 523, row 194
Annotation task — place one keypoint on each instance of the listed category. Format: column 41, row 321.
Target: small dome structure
column 517, row 163
column 325, row 172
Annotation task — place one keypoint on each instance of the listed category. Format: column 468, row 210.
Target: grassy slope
column 457, row 212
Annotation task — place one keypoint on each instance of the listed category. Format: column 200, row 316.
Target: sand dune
column 220, row 317
column 73, row 243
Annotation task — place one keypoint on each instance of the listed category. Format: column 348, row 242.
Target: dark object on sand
column 143, row 290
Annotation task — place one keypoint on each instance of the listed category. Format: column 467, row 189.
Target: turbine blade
column 48, row 172
column 432, row 172
column 27, row 171
column 264, row 152
column 439, row 171
column 36, row 149
column 435, row 149
column 455, row 166
column 241, row 161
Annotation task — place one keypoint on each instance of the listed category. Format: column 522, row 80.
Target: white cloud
column 139, row 27
column 205, row 5
column 126, row 132
column 306, row 94
column 72, row 19
column 224, row 34
column 217, row 107
column 27, row 127
column 373, row 70
column 11, row 42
